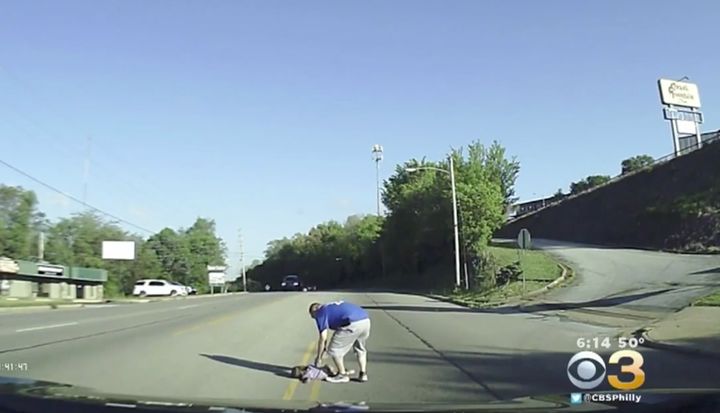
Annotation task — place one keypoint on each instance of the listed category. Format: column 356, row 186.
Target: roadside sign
column 686, row 115
column 523, row 240
column 677, row 93
column 216, row 278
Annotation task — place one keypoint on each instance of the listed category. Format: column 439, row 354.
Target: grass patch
column 496, row 295
column 539, row 268
column 536, row 264
column 712, row 300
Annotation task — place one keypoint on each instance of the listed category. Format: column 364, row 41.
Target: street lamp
column 455, row 217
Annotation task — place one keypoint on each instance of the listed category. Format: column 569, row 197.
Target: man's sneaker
column 363, row 377
column 339, row 378
column 350, row 372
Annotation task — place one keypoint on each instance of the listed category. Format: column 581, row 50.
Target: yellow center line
column 315, row 391
column 290, row 391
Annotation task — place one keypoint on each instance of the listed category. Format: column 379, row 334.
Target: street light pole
column 455, row 224
column 455, row 214
column 377, row 152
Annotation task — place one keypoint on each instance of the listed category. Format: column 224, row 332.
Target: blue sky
column 261, row 114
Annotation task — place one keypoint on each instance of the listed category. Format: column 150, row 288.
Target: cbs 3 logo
column 586, row 370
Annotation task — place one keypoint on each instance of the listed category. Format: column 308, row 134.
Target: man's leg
column 340, row 343
column 339, row 364
column 360, row 348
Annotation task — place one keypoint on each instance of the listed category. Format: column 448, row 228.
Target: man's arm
column 322, row 340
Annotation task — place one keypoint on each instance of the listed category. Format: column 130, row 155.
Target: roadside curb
column 107, row 301
column 40, row 307
column 659, row 345
column 566, row 271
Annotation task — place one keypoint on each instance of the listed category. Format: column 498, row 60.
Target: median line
column 22, row 330
column 315, row 391
column 290, row 391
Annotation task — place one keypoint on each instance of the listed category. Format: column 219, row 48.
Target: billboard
column 216, row 274
column 216, row 278
column 677, row 93
column 118, row 250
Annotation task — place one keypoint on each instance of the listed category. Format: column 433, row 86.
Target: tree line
column 627, row 166
column 178, row 255
column 416, row 234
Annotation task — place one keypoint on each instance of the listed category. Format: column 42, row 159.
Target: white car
column 184, row 289
column 158, row 287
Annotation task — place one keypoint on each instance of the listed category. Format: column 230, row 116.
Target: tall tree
column 20, row 222
column 636, row 162
column 588, row 183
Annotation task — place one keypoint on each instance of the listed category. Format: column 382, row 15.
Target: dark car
column 292, row 283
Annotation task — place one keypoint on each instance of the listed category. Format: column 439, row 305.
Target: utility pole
column 86, row 173
column 41, row 246
column 242, row 262
column 377, row 152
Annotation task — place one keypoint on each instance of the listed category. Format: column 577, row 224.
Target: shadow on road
column 281, row 371
column 603, row 302
column 523, row 372
column 708, row 271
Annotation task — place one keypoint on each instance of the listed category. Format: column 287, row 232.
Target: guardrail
column 712, row 137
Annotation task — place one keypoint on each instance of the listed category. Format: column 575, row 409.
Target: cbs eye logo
column 586, row 370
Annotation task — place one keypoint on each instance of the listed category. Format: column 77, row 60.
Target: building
column 27, row 279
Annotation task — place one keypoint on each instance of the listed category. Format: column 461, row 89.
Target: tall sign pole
column 377, row 153
column 86, row 172
column 242, row 263
column 681, row 102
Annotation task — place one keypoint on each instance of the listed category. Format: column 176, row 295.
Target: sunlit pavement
column 241, row 347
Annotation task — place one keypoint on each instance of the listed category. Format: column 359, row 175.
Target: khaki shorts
column 353, row 336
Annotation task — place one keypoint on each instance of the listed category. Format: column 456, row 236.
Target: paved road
column 626, row 287
column 240, row 347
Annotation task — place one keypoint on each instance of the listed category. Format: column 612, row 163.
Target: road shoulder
column 693, row 330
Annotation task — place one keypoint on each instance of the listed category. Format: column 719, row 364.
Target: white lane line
column 46, row 327
column 188, row 306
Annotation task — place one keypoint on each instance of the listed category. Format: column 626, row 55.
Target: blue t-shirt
column 338, row 314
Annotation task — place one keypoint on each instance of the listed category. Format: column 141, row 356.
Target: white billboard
column 677, row 93
column 216, row 278
column 118, row 250
column 686, row 127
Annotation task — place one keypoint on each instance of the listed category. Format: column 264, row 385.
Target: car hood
column 36, row 396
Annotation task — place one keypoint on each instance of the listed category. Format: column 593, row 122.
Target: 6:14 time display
column 595, row 342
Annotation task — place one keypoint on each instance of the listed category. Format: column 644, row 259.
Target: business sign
column 216, row 274
column 686, row 127
column 216, row 278
column 118, row 250
column 9, row 266
column 52, row 270
column 686, row 115
column 677, row 93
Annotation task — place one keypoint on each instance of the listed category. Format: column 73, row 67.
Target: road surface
column 626, row 287
column 241, row 347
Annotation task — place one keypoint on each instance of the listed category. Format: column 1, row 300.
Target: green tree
column 20, row 222
column 636, row 162
column 588, row 183
column 77, row 241
column 204, row 248
column 416, row 236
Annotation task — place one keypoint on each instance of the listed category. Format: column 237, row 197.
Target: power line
column 86, row 205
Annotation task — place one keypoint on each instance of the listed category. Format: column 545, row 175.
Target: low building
column 527, row 207
column 27, row 279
